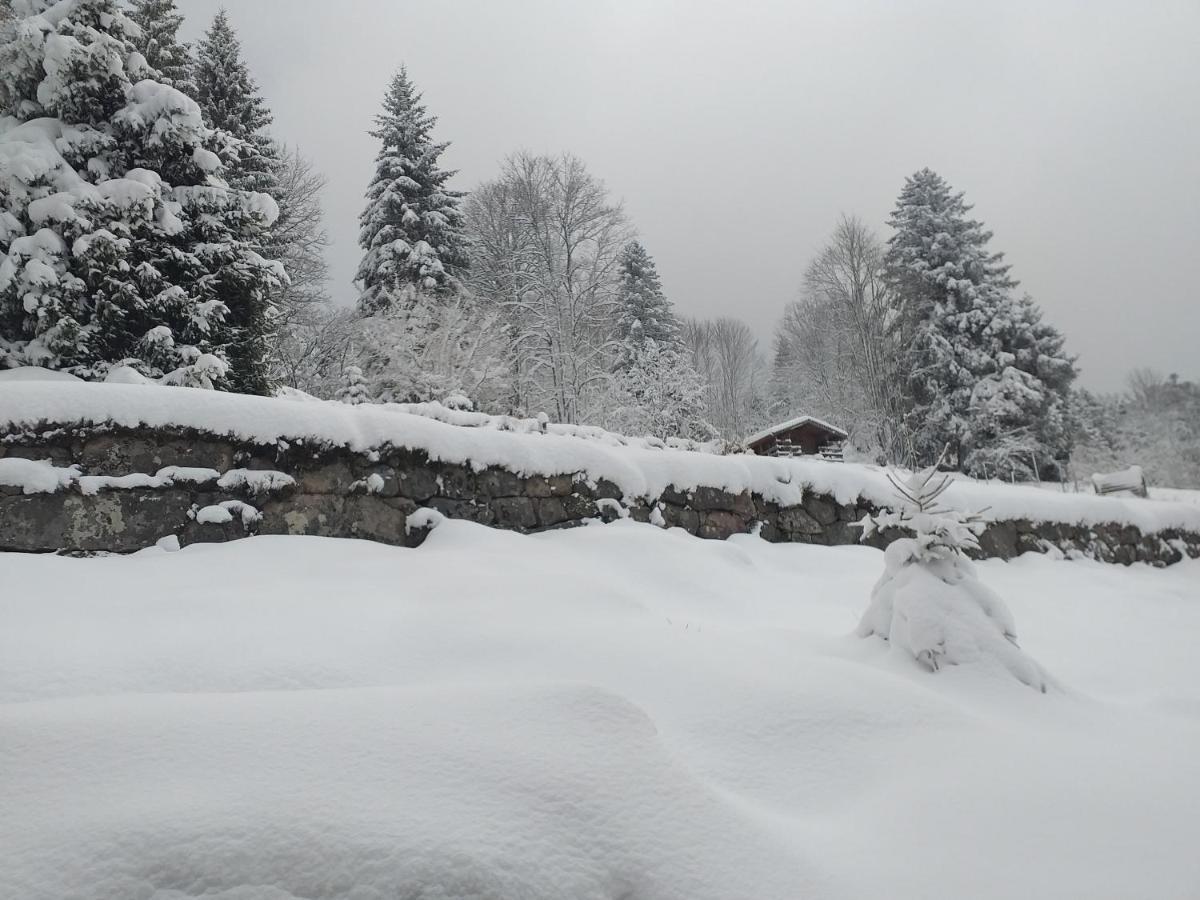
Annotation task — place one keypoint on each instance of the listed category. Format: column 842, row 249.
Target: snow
column 256, row 481
column 214, row 515
column 225, row 511
column 194, row 474
column 35, row 476
column 423, row 518
column 125, row 375
column 36, row 373
column 611, row 711
column 93, row 484
column 42, row 476
column 638, row 469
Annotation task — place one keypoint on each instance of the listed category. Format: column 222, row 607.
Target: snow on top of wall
column 638, row 469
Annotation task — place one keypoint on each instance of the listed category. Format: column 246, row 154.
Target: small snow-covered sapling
column 929, row 602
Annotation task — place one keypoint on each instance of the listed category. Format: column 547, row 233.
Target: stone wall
column 227, row 489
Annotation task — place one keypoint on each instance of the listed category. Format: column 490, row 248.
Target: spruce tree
column 1022, row 424
column 412, row 228
column 659, row 393
column 159, row 43
column 120, row 242
column 354, row 387
column 982, row 373
column 231, row 103
column 945, row 281
column 645, row 313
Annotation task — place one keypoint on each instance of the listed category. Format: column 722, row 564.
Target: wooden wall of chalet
column 807, row 438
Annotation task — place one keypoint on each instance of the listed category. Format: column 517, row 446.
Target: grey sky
column 737, row 133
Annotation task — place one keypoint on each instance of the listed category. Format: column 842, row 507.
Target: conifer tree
column 159, row 21
column 644, row 313
column 659, row 393
column 984, row 376
column 1022, row 425
column 412, row 228
column 120, row 242
column 354, row 388
column 231, row 103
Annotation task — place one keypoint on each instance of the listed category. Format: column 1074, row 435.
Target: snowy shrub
column 930, row 602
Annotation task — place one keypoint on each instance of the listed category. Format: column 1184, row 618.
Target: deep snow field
column 609, row 712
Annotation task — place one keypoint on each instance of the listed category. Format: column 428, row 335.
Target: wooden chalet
column 801, row 436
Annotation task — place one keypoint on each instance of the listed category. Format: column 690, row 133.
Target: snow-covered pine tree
column 645, row 313
column 659, row 392
column 159, row 42
column 1021, row 405
column 412, row 228
column 229, row 98
column 119, row 241
column 930, row 603
column 946, row 283
column 983, row 373
column 354, row 390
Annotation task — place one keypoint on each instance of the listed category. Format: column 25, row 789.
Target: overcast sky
column 736, row 134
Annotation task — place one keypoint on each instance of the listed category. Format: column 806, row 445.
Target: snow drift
column 609, row 712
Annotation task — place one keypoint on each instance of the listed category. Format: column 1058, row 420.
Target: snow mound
column 532, row 791
column 608, row 712
column 941, row 614
column 36, row 373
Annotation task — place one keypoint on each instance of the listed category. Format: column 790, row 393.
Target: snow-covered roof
column 794, row 423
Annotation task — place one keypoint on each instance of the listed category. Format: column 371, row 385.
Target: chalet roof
column 795, row 423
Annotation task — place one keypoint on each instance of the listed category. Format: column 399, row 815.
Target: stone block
column 457, row 482
column 999, row 539
column 795, row 520
column 495, row 482
column 720, row 524
column 330, row 478
column 419, row 483
column 549, row 511
column 822, row 509
column 516, row 513
column 376, row 518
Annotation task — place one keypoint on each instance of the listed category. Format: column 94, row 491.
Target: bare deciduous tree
column 298, row 236
column 311, row 353
column 433, row 352
column 725, row 353
column 547, row 241
column 310, row 345
column 834, row 350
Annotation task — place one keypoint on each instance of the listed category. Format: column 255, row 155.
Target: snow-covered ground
column 1175, row 495
column 611, row 712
